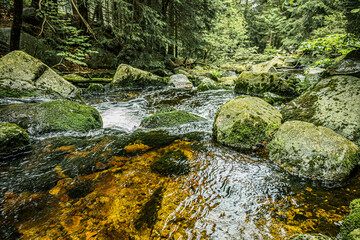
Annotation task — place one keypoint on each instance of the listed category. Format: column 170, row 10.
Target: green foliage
column 216, row 74
column 330, row 47
column 68, row 40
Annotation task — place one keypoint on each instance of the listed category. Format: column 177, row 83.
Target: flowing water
column 107, row 184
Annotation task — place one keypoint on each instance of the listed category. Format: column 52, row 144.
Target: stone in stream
column 258, row 83
column 129, row 77
column 180, row 81
column 245, row 122
column 350, row 228
column 208, row 84
column 172, row 163
column 314, row 236
column 94, row 88
column 170, row 119
column 13, row 139
column 24, row 75
column 228, row 81
column 313, row 152
column 53, row 116
column 333, row 102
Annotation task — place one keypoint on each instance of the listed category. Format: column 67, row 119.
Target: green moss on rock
column 350, row 229
column 313, row 152
column 245, row 122
column 333, row 103
column 59, row 115
column 170, row 119
column 130, row 77
column 208, row 84
column 12, row 139
column 257, row 83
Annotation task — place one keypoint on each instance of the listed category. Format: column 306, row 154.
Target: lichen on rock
column 333, row 103
column 313, row 152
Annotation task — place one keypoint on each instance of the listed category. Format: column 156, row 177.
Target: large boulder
column 245, row 122
column 12, row 139
column 170, row 119
column 349, row 65
column 21, row 73
column 33, row 46
column 313, row 152
column 59, row 115
column 258, row 83
column 181, row 81
column 130, row 77
column 333, row 103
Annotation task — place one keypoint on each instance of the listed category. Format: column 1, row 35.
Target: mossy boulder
column 180, row 81
column 350, row 228
column 129, row 77
column 238, row 68
column 21, row 73
column 53, row 116
column 313, row 152
column 228, row 81
column 12, row 139
column 258, row 83
column 208, row 84
column 245, row 122
column 333, row 103
column 172, row 163
column 170, row 119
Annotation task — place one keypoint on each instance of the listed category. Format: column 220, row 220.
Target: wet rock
column 13, row 139
column 349, row 65
column 313, row 75
column 313, row 152
column 274, row 64
column 130, row 77
column 273, row 98
column 172, row 163
column 228, row 81
column 180, row 81
column 21, row 73
column 170, row 119
column 333, row 103
column 94, row 88
column 59, row 115
column 350, row 228
column 245, row 122
column 208, row 84
column 257, row 83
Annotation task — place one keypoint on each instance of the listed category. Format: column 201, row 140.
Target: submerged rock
column 172, row 163
column 22, row 74
column 130, row 77
column 333, row 103
column 170, row 119
column 257, row 83
column 59, row 115
column 180, row 81
column 313, row 152
column 208, row 84
column 245, row 122
column 12, row 139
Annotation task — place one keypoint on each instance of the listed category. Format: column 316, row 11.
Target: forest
column 180, row 119
column 143, row 33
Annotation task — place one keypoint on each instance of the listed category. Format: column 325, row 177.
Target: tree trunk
column 16, row 26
